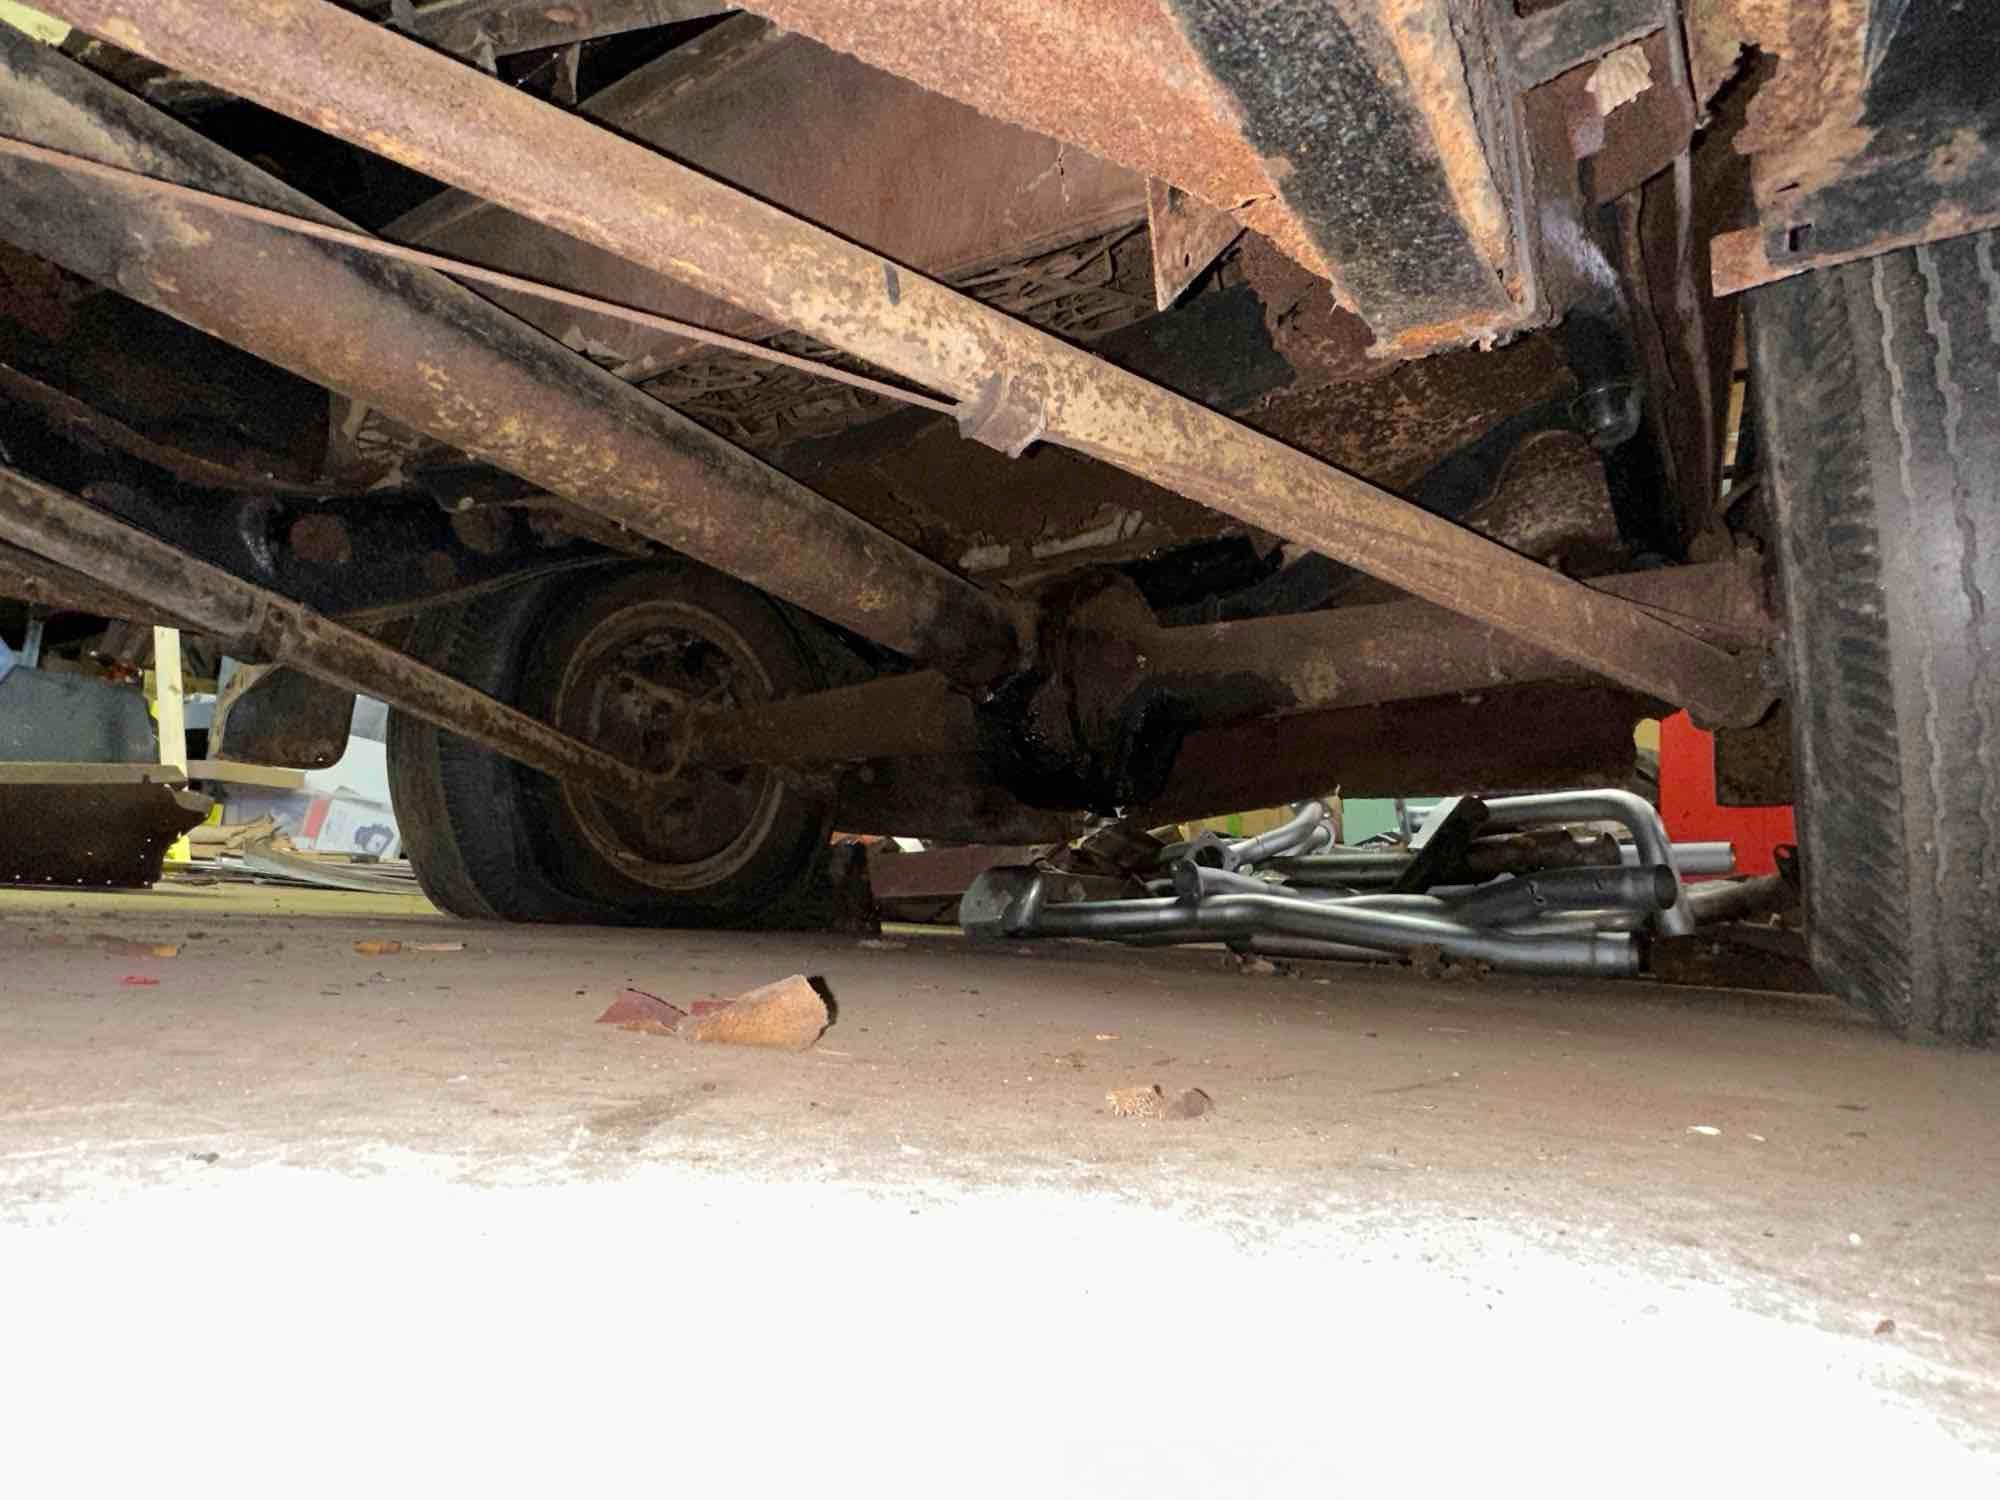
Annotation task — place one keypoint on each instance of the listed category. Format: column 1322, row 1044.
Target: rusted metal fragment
column 1555, row 40
column 1187, row 237
column 76, row 824
column 1517, row 739
column 790, row 1013
column 1878, row 130
column 71, row 532
column 416, row 345
column 486, row 29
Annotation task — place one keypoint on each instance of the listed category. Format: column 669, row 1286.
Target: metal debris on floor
column 1503, row 884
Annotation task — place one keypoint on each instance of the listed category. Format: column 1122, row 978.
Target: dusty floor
column 1430, row 1232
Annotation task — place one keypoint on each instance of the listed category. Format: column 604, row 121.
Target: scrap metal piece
column 43, row 518
column 442, row 360
column 74, row 824
column 1013, row 903
column 1187, row 237
column 435, row 116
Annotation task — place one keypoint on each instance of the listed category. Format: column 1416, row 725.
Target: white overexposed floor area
column 297, row 1219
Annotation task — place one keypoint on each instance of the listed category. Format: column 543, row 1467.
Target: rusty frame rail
column 383, row 92
column 440, row 359
column 76, row 535
column 1240, row 670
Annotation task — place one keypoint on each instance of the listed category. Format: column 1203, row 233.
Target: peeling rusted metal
column 442, row 360
column 74, row 534
column 1877, row 130
column 1187, row 236
column 453, row 123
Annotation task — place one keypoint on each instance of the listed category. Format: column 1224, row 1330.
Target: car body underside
column 1146, row 405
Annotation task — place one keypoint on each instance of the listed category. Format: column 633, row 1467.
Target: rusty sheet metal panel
column 91, row 825
column 1324, row 124
column 917, row 176
column 446, row 362
column 1017, row 384
column 1880, row 127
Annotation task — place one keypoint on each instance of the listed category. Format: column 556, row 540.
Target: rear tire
column 1878, row 390
column 607, row 656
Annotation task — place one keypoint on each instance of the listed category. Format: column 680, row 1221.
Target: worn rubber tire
column 458, row 806
column 490, row 839
column 1878, row 396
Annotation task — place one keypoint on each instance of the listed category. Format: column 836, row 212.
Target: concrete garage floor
column 297, row 1215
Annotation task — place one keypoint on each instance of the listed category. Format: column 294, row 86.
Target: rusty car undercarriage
column 947, row 421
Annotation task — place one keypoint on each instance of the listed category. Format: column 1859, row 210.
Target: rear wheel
column 1878, row 389
column 621, row 658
